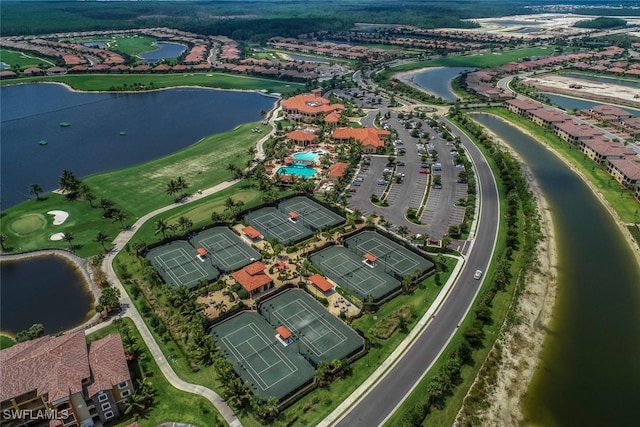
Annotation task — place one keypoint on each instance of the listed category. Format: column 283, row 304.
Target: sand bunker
column 56, row 236
column 59, row 217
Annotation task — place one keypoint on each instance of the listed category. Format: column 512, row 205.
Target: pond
column 164, row 51
column 44, row 289
column 154, row 124
column 589, row 372
column 571, row 103
column 437, row 81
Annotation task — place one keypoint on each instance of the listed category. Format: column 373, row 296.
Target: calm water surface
column 569, row 103
column 589, row 373
column 164, row 51
column 155, row 124
column 48, row 290
column 437, row 81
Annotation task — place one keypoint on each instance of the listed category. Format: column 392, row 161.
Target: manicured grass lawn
column 483, row 60
column 27, row 226
column 141, row 189
column 6, row 342
column 22, row 60
column 108, row 82
column 132, row 45
column 620, row 200
column 169, row 403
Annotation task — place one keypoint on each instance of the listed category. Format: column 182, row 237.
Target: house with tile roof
column 573, row 133
column 63, row 376
column 601, row 149
column 626, row 171
column 372, row 139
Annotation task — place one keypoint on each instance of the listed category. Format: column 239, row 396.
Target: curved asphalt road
column 383, row 399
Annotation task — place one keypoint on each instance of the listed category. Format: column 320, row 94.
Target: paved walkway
column 129, row 310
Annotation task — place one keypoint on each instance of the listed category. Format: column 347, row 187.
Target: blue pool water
column 307, row 155
column 298, row 169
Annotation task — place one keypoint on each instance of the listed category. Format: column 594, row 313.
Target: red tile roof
column 201, row 251
column 338, row 169
column 310, row 104
column 108, row 364
column 366, row 136
column 370, row 257
column 251, row 232
column 321, row 283
column 252, row 277
column 55, row 366
column 284, row 333
column 293, row 215
column 300, row 135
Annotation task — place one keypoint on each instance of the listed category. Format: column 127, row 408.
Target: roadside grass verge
column 84, row 222
column 620, row 200
column 169, row 404
column 482, row 60
column 140, row 189
column 119, row 82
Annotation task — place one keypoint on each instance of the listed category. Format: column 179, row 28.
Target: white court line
column 390, row 249
column 182, row 254
column 308, row 310
column 232, row 247
column 313, row 211
column 279, row 224
column 356, row 284
column 249, row 368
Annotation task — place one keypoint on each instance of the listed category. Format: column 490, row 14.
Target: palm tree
column 181, row 184
column 403, row 230
column 86, row 193
column 35, row 189
column 68, row 182
column 172, row 188
column 68, row 237
column 3, row 238
column 185, row 223
column 118, row 215
column 106, row 204
column 161, row 227
column 102, row 237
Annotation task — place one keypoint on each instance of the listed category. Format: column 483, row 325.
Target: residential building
column 626, row 171
column 607, row 113
column 573, row 133
column 600, row 149
column 548, row 119
column 522, row 107
column 66, row 379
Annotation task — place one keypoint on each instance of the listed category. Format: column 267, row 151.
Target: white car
column 477, row 275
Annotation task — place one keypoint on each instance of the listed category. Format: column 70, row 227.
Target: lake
column 437, row 81
column 155, row 124
column 46, row 289
column 306, row 58
column 570, row 103
column 589, row 372
column 164, row 51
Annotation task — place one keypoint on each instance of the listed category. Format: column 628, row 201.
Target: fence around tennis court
column 397, row 258
column 177, row 264
column 276, row 225
column 323, row 337
column 347, row 269
column 312, row 214
column 270, row 368
column 226, row 248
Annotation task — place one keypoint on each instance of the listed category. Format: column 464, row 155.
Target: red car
column 424, row 171
column 352, row 190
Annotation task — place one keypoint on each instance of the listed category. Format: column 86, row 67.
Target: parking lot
column 440, row 211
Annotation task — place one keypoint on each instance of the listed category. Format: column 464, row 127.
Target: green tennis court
column 395, row 257
column 349, row 271
column 322, row 336
column 178, row 264
column 276, row 224
column 270, row 367
column 312, row 214
column 227, row 250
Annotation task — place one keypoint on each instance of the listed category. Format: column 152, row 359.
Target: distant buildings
column 65, row 378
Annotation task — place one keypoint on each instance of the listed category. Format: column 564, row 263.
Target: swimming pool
column 307, row 155
column 298, row 169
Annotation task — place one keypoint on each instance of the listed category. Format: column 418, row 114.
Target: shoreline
column 521, row 344
column 80, row 263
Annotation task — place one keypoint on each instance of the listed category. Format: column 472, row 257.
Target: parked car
column 424, row 171
column 400, row 163
column 352, row 190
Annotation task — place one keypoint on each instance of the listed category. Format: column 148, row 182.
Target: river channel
column 589, row 372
